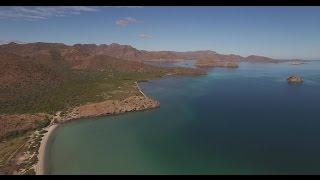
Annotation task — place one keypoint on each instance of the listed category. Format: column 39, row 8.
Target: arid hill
column 72, row 53
column 254, row 58
column 31, row 72
column 37, row 77
column 40, row 63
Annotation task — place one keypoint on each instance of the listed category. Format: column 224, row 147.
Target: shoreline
column 39, row 167
column 140, row 89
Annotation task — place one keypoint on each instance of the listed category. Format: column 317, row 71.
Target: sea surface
column 232, row 121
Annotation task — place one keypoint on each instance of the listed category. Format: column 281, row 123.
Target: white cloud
column 144, row 36
column 123, row 6
column 38, row 13
column 126, row 21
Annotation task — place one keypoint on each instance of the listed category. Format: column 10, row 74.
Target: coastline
column 39, row 167
column 140, row 89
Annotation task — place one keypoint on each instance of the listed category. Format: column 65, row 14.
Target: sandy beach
column 39, row 168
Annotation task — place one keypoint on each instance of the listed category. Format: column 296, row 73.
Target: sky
column 277, row 32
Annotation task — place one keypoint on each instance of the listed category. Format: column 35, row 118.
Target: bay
column 247, row 120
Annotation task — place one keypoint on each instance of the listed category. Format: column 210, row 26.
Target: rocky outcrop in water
column 294, row 79
column 298, row 62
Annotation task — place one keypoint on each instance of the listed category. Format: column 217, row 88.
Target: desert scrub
column 30, row 172
column 43, row 123
column 43, row 131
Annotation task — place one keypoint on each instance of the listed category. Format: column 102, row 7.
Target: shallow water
column 232, row 121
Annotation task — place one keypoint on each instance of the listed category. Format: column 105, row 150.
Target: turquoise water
column 232, row 121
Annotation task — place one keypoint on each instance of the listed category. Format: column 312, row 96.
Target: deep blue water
column 232, row 121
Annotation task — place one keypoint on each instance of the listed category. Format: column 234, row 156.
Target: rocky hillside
column 254, row 58
column 33, row 75
column 43, row 77
column 73, row 53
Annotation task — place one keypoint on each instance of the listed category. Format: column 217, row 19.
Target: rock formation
column 110, row 107
column 294, row 79
column 297, row 62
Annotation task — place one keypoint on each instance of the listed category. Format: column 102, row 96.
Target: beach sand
column 39, row 168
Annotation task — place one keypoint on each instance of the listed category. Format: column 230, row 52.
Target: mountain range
column 24, row 63
column 120, row 51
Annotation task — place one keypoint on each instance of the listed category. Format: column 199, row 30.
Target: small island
column 294, row 79
column 297, row 62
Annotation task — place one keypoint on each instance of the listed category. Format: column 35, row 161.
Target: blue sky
column 278, row 32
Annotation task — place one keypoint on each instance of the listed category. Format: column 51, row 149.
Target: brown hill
column 42, row 63
column 39, row 62
column 46, row 77
column 73, row 53
column 16, row 70
column 255, row 58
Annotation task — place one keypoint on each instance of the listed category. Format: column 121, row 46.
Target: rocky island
column 297, row 62
column 294, row 79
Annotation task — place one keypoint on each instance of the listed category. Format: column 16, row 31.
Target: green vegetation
column 43, row 123
column 43, row 131
column 81, row 87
